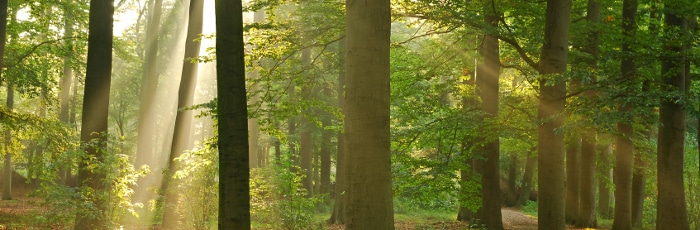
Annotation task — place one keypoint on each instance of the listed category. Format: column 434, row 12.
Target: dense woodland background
column 361, row 114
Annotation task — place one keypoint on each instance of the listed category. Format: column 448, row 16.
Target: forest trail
column 513, row 219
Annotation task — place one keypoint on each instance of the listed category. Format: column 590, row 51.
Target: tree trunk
column 326, row 151
column 234, row 171
column 487, row 85
column 573, row 168
column 587, row 182
column 370, row 204
column 671, row 206
column 66, row 82
column 512, row 194
column 96, row 108
column 7, row 168
column 306, row 143
column 338, row 216
column 183, row 119
column 526, row 182
column 253, row 127
column 638, row 183
column 7, row 193
column 625, row 147
column 604, row 178
column 149, row 84
column 550, row 145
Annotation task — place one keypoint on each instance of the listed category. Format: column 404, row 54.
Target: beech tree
column 95, row 109
column 234, row 168
column 368, row 154
column 550, row 144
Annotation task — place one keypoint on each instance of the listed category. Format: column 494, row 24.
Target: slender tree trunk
column 512, row 194
column 671, row 207
column 306, row 143
column 625, row 148
column 573, row 168
column 149, row 84
column 605, row 176
column 550, row 145
column 526, row 182
column 234, row 171
column 326, row 151
column 338, row 216
column 7, row 181
column 587, row 182
column 95, row 109
column 184, row 117
column 66, row 82
column 253, row 127
column 487, row 83
column 370, row 204
column 638, row 183
column 7, row 168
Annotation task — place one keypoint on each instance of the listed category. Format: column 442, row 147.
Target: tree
column 367, row 119
column 149, row 83
column 96, row 105
column 625, row 147
column 671, row 207
column 7, row 168
column 550, row 147
column 183, row 119
column 234, row 170
column 487, row 83
column 587, row 182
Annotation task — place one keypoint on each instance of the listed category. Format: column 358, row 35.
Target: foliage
column 199, row 186
column 278, row 200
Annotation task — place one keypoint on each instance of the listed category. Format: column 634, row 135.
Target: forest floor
column 513, row 219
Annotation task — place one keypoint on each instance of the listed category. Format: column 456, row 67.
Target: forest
column 355, row 114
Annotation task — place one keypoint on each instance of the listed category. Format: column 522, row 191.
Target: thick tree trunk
column 671, row 207
column 98, row 78
column 605, row 176
column 573, row 167
column 183, row 119
column 487, row 86
column 550, row 145
column 234, row 171
column 370, row 204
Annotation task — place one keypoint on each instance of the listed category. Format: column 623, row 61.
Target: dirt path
column 516, row 220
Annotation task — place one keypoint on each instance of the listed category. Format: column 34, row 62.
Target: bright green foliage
column 279, row 200
column 199, row 186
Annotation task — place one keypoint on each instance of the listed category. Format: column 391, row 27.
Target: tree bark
column 7, row 193
column 550, row 145
column 183, row 119
column 96, row 107
column 487, row 85
column 253, row 127
column 234, row 171
column 671, row 206
column 370, row 204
